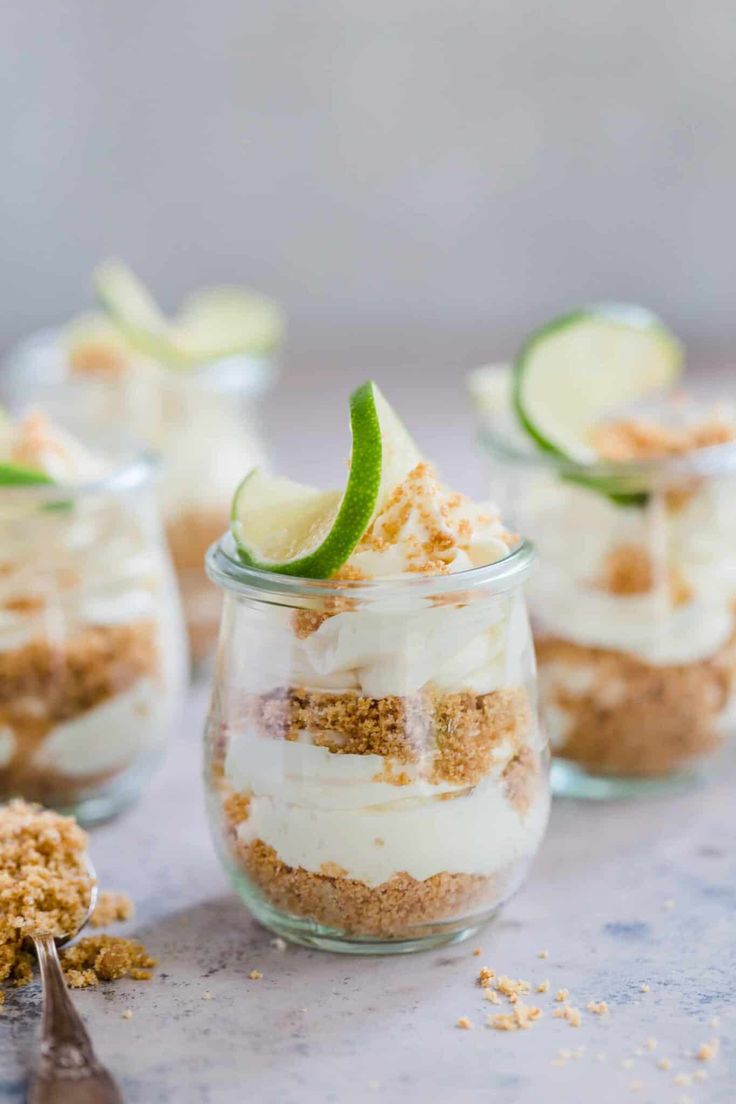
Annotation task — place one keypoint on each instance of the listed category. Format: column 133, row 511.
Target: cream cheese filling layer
column 318, row 810
column 301, row 772
column 110, row 736
column 94, row 566
column 387, row 650
column 576, row 529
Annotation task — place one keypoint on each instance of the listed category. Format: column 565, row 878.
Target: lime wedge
column 292, row 529
column 18, row 475
column 216, row 323
column 583, row 366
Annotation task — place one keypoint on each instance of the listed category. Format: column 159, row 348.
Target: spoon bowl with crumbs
column 68, row 1070
column 48, row 892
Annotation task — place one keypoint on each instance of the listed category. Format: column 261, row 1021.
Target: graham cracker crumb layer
column 43, row 684
column 400, row 908
column 633, row 718
column 45, row 887
column 456, row 732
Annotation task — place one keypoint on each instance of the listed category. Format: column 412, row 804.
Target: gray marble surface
column 322, row 1028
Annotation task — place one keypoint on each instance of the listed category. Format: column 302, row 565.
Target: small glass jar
column 92, row 650
column 204, row 422
column 375, row 773
column 633, row 610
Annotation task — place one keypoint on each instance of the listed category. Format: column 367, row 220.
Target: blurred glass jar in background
column 203, row 419
column 376, row 777
column 634, row 603
column 92, row 650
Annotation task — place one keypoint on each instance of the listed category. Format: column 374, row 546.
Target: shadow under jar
column 633, row 610
column 91, row 641
column 375, row 774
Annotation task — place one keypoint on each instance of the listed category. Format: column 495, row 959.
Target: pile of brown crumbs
column 105, row 958
column 520, row 1018
column 111, row 908
column 45, row 886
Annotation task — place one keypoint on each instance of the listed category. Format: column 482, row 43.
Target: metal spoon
column 68, row 1071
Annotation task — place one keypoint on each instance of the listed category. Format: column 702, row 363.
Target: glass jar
column 375, row 773
column 633, row 610
column 92, row 651
column 205, row 423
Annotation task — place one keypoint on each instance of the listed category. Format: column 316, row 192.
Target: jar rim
column 227, row 571
column 135, row 470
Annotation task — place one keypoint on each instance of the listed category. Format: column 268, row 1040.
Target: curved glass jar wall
column 633, row 609
column 91, row 642
column 375, row 772
column 204, row 422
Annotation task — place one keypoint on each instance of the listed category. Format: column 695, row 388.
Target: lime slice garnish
column 229, row 320
column 292, row 529
column 586, row 365
column 216, row 323
column 18, row 475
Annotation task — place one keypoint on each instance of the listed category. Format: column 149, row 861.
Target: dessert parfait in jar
column 376, row 776
column 627, row 485
column 91, row 638
column 190, row 387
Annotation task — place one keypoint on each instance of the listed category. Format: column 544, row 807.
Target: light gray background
column 415, row 166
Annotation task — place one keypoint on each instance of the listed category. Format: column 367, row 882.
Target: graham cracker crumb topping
column 642, row 439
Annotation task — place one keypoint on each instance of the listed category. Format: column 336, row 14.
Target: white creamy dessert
column 376, row 752
column 91, row 650
column 651, row 582
column 625, row 483
column 581, row 530
column 187, row 386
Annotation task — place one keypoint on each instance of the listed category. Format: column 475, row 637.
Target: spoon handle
column 68, row 1071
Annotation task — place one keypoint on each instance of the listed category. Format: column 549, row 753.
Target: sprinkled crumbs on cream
column 432, row 527
column 643, row 439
